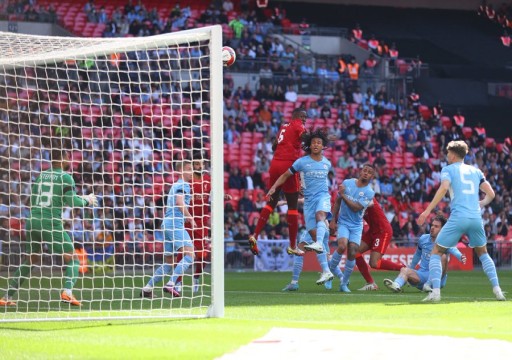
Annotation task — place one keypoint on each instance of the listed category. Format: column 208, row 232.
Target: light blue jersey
column 465, row 183
column 174, row 218
column 422, row 254
column 361, row 195
column 313, row 176
column 175, row 235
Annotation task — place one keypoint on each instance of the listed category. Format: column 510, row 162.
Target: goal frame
column 97, row 48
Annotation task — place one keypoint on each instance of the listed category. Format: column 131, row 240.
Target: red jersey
column 376, row 218
column 200, row 201
column 289, row 141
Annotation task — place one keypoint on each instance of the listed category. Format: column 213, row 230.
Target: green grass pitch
column 255, row 304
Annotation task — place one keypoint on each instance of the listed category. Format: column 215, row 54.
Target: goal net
column 125, row 114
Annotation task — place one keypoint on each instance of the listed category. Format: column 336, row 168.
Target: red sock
column 388, row 265
column 364, row 269
column 262, row 221
column 293, row 224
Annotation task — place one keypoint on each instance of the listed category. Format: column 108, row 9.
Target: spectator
column 236, row 180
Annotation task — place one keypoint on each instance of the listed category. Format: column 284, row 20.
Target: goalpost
column 131, row 108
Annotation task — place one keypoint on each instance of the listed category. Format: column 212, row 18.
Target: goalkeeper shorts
column 49, row 232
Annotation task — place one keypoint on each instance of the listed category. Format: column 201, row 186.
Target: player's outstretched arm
column 73, row 200
column 282, row 179
column 440, row 193
column 456, row 252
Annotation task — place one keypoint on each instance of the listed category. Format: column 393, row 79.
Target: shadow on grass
column 84, row 324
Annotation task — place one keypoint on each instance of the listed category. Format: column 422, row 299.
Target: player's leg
column 65, row 247
column 162, row 270
column 322, row 210
column 363, row 266
column 277, row 168
column 447, row 237
column 478, row 241
column 298, row 263
column 343, row 234
column 353, row 245
column 292, row 215
column 33, row 248
column 405, row 275
column 183, row 243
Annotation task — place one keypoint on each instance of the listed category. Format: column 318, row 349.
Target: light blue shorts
column 454, row 228
column 423, row 275
column 175, row 239
column 311, row 207
column 353, row 234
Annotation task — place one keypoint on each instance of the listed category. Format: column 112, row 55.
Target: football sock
column 180, row 269
column 400, row 281
column 435, row 270
column 364, row 269
column 335, row 261
column 19, row 277
column 71, row 274
column 489, row 269
column 349, row 267
column 322, row 260
column 321, row 229
column 293, row 225
column 158, row 275
column 383, row 264
column 298, row 262
column 262, row 221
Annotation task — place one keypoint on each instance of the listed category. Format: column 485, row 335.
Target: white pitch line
column 297, row 344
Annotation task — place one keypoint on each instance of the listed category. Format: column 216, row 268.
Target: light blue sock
column 436, row 270
column 489, row 269
column 322, row 260
column 400, row 281
column 298, row 261
column 349, row 267
column 180, row 269
column 321, row 229
column 159, row 274
column 335, row 261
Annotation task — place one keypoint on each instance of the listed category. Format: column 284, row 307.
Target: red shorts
column 377, row 240
column 277, row 168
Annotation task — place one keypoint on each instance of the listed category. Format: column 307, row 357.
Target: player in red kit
column 200, row 211
column 287, row 148
column 377, row 239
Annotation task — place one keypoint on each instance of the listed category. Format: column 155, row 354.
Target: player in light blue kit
column 354, row 196
column 419, row 278
column 177, row 240
column 463, row 182
column 313, row 169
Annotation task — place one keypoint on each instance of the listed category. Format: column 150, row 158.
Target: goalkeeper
column 53, row 189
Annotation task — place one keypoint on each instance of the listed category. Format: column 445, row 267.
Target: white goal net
column 138, row 123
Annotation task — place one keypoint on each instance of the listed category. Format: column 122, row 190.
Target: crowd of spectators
column 130, row 117
column 27, row 10
column 405, row 140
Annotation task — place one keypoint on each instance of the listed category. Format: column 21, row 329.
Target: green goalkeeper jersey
column 53, row 190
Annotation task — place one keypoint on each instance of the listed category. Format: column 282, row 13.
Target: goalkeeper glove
column 91, row 199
